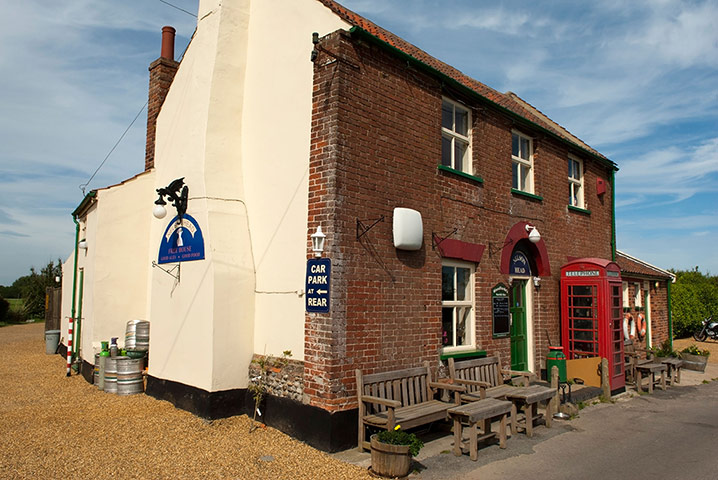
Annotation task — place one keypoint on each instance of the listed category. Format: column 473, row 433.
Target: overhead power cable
column 178, row 8
column 84, row 185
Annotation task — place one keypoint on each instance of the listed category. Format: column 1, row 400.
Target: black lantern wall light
column 177, row 193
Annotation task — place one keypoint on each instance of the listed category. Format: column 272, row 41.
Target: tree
column 32, row 287
column 694, row 297
column 9, row 292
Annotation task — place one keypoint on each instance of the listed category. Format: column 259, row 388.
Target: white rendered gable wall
column 236, row 125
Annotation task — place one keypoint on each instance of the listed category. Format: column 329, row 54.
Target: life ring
column 641, row 321
column 629, row 327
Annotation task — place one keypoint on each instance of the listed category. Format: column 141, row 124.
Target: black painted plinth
column 330, row 432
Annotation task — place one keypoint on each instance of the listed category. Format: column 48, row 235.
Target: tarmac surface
column 598, row 427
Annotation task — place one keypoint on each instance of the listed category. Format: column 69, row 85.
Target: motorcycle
column 709, row 329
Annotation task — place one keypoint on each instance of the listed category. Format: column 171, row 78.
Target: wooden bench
column 484, row 378
column 633, row 357
column 400, row 397
column 472, row 413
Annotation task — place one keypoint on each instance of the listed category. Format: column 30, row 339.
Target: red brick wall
column 162, row 72
column 376, row 145
column 658, row 312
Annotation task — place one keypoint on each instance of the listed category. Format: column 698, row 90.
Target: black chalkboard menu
column 500, row 310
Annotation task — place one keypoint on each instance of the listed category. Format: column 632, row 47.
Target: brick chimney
column 162, row 71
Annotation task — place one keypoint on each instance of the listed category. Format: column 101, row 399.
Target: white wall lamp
column 534, row 235
column 318, row 241
column 82, row 244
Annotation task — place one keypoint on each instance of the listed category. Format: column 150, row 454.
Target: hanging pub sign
column 318, row 285
column 519, row 265
column 181, row 242
column 500, row 310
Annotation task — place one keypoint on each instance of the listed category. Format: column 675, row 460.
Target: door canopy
column 519, row 235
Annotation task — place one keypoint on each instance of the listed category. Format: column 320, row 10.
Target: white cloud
column 75, row 75
column 680, row 33
column 671, row 174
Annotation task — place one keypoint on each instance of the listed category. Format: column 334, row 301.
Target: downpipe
column 71, row 329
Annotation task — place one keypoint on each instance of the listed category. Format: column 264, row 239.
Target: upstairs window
column 455, row 143
column 522, row 162
column 575, row 182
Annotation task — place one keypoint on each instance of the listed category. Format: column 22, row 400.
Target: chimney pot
column 162, row 72
column 168, row 43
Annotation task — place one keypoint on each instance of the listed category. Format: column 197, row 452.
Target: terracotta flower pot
column 389, row 460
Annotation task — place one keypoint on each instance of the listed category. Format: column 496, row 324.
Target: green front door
column 518, row 326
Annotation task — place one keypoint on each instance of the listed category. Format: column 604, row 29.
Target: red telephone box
column 591, row 314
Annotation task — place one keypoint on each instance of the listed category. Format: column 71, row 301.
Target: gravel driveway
column 54, row 427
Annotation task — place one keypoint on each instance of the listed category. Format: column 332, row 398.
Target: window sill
column 527, row 195
column 459, row 173
column 455, row 354
column 571, row 208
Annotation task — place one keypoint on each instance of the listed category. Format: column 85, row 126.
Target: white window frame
column 575, row 199
column 522, row 163
column 453, row 136
column 637, row 297
column 456, row 305
column 626, row 302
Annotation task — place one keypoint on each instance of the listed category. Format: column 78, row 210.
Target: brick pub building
column 435, row 192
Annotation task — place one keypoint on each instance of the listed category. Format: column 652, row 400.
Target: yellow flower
column 397, row 427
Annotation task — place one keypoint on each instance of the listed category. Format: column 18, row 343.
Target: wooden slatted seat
column 404, row 397
column 633, row 357
column 484, row 378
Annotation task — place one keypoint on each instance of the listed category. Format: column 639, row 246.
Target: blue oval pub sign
column 181, row 242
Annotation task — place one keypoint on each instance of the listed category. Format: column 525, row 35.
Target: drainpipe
column 647, row 309
column 70, row 342
column 670, row 313
column 78, row 323
column 81, row 208
column 613, row 215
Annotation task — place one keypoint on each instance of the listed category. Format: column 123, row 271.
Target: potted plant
column 391, row 452
column 665, row 351
column 694, row 358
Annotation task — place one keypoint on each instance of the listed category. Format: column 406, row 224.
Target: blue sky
column 636, row 80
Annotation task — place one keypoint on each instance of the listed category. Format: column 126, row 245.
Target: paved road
column 667, row 435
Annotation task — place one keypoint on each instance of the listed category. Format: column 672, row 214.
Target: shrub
column 665, row 350
column 694, row 297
